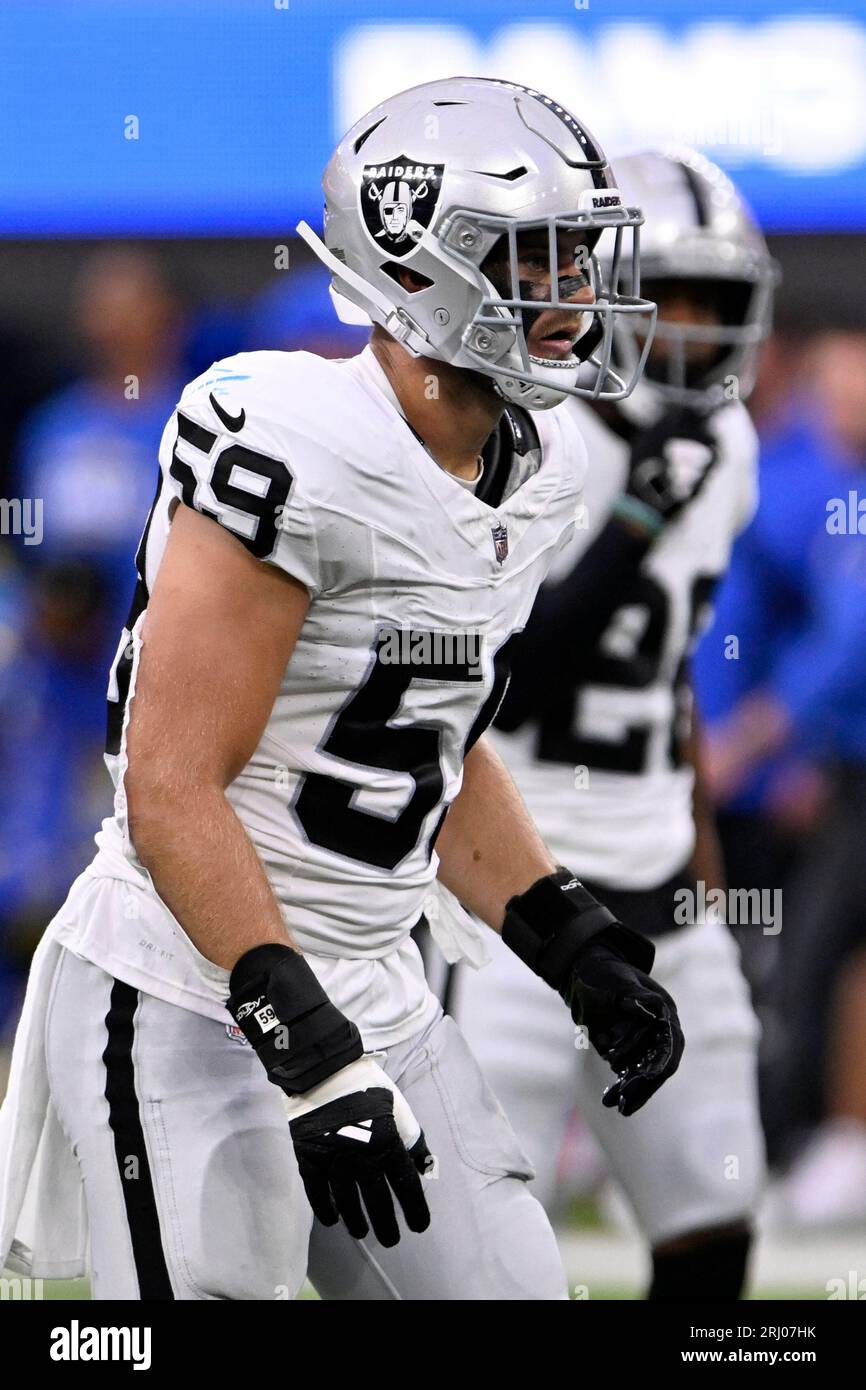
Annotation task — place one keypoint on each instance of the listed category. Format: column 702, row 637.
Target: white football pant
column 693, row 1157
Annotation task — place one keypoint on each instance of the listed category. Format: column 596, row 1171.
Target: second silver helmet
column 698, row 233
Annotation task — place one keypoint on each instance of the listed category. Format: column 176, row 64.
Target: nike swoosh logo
column 231, row 422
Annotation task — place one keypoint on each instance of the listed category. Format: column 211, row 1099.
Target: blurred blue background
column 239, row 101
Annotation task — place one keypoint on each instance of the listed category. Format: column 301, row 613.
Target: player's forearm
column 489, row 848
column 205, row 869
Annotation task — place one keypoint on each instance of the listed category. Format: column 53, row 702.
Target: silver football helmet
column 435, row 178
column 697, row 231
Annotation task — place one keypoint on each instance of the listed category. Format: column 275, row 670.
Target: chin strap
column 395, row 321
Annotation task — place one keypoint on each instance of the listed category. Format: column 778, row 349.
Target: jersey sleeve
column 223, row 454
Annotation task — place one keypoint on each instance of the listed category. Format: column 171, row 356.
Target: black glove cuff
column 549, row 925
column 301, row 1037
column 631, row 946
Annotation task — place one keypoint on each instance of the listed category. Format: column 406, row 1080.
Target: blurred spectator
column 807, row 693
column 90, row 451
column 90, row 454
column 764, row 603
column 296, row 313
column 27, row 374
column 215, row 331
column 293, row 313
column 52, row 729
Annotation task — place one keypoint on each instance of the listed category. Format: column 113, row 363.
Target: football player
column 335, row 562
column 600, row 740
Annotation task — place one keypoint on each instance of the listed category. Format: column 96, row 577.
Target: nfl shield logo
column 500, row 542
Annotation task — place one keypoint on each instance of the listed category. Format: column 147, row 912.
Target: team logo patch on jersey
column 236, row 1034
column 398, row 200
column 500, row 542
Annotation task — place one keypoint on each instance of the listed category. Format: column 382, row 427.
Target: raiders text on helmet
column 437, row 176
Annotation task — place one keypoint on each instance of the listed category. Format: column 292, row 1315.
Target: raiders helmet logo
column 398, row 200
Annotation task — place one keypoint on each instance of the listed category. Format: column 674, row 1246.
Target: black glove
column 670, row 462
column 354, row 1133
column 600, row 968
column 631, row 1021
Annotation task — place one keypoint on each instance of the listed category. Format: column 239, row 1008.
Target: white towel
column 458, row 936
column 43, row 1226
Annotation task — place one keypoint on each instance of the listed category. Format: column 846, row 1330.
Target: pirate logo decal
column 398, row 200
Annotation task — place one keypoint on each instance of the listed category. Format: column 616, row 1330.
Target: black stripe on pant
column 125, row 1121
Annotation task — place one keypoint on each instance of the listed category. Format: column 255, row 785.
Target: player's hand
column 670, row 462
column 601, row 969
column 631, row 1020
column 356, row 1139
column 358, row 1146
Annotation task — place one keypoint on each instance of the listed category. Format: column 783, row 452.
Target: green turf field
column 78, row 1289
column 604, row 1264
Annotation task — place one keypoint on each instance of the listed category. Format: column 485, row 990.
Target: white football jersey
column 612, row 797
column 416, row 586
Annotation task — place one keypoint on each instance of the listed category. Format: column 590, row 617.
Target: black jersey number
column 640, row 628
column 363, row 735
column 262, row 499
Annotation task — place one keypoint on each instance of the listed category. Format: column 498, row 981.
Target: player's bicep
column 219, row 630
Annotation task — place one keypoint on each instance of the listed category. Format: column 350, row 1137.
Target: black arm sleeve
column 567, row 622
